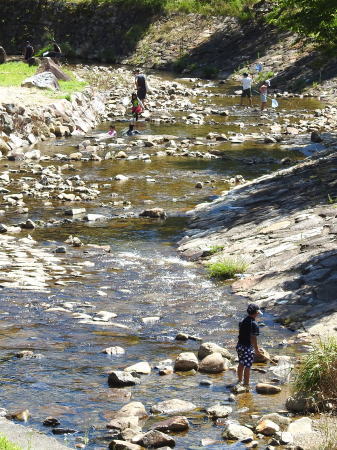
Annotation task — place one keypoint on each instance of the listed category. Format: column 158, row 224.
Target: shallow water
column 142, row 276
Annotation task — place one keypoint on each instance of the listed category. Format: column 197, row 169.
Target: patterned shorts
column 245, row 354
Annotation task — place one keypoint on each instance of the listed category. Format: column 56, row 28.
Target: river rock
column 156, row 439
column 75, row 211
column 174, row 424
column 141, row 367
column 267, row 427
column 234, row 432
column 264, row 357
column 63, row 431
column 281, row 421
column 121, row 177
column 181, row 337
column 154, row 213
column 173, row 406
column 22, row 415
column 123, row 445
column 217, row 411
column 122, row 423
column 316, row 137
column 213, row 363
column 267, row 389
column 44, row 80
column 114, row 350
column 207, row 348
column 51, row 422
column 136, row 409
column 186, row 361
column 299, row 403
column 286, row 438
column 118, row 378
column 300, row 426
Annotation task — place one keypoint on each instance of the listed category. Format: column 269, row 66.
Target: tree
column 313, row 18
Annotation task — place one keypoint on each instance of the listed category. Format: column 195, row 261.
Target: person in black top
column 141, row 85
column 28, row 51
column 247, row 343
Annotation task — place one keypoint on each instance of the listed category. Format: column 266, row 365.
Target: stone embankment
column 284, row 225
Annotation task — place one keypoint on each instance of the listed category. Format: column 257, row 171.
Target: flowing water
column 141, row 277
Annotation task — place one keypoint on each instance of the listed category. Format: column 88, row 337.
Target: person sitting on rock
column 247, row 344
column 28, row 51
column 131, row 131
column 55, row 53
column 3, row 55
column 137, row 106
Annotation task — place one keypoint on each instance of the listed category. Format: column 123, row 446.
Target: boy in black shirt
column 247, row 343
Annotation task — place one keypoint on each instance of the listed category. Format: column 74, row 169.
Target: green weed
column 5, row 444
column 316, row 376
column 227, row 268
column 215, row 249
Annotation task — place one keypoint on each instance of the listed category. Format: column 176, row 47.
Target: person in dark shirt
column 247, row 343
column 28, row 51
column 141, row 85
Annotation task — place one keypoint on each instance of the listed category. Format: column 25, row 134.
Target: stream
column 153, row 292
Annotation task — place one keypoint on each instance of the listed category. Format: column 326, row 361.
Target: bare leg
column 240, row 372
column 246, row 376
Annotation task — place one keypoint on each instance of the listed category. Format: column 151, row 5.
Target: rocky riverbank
column 284, row 226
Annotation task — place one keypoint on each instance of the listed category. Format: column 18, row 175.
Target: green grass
column 226, row 268
column 316, row 376
column 13, row 74
column 5, row 444
column 215, row 249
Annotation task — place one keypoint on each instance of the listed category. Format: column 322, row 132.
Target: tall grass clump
column 316, row 376
column 226, row 268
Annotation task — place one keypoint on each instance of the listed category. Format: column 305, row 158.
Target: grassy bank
column 5, row 444
column 12, row 74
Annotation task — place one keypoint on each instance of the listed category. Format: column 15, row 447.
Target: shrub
column 316, row 376
column 215, row 249
column 227, row 268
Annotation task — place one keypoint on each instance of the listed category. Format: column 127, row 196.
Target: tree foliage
column 313, row 18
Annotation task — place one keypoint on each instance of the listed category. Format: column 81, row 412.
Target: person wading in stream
column 247, row 344
column 246, row 89
column 141, row 85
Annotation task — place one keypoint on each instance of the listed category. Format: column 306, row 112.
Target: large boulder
column 44, row 80
column 300, row 426
column 207, row 348
column 118, row 378
column 173, row 406
column 236, row 432
column 301, row 404
column 213, row 363
column 48, row 65
column 132, row 409
column 174, row 424
column 281, row 421
column 186, row 361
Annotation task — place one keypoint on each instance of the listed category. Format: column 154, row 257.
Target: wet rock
column 51, row 422
column 94, row 217
column 269, row 140
column 3, row 228
column 29, row 225
column 267, row 389
column 22, row 415
column 267, row 427
column 121, row 155
column 218, row 411
column 63, row 431
column 207, row 348
column 166, row 371
column 181, row 337
column 121, row 177
column 75, row 211
column 122, row 423
column 132, row 409
column 186, row 361
column 213, row 363
column 156, row 439
column 104, row 316
column 264, row 357
column 206, row 383
column 141, row 367
column 174, row 424
column 316, row 137
column 281, row 421
column 235, row 432
column 118, row 378
column 154, row 213
column 114, row 350
column 239, row 389
column 60, row 250
column 199, row 185
column 123, row 445
column 173, row 406
column 300, row 426
column 25, row 354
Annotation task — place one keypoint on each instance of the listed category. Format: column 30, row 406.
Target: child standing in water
column 264, row 94
column 112, row 131
column 137, row 106
column 247, row 344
